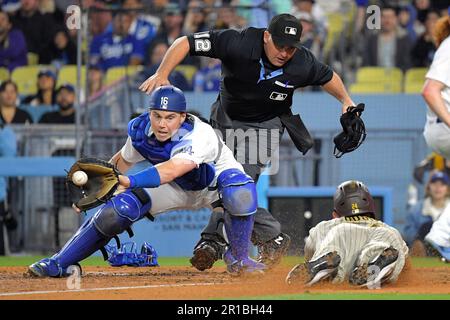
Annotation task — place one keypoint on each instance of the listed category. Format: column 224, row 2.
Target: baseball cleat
column 49, row 268
column 297, row 274
column 377, row 271
column 205, row 254
column 271, row 252
column 442, row 252
column 325, row 267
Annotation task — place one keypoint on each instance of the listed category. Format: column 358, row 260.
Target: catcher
column 192, row 168
column 353, row 245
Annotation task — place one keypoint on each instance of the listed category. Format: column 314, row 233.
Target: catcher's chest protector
column 156, row 152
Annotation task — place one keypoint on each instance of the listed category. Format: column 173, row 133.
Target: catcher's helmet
column 353, row 197
column 168, row 98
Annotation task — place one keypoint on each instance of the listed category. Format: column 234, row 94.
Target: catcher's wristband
column 148, row 178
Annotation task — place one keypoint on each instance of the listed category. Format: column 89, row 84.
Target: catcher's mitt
column 103, row 180
column 354, row 131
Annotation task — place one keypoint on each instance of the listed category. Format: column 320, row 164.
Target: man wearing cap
column 46, row 93
column 421, row 216
column 191, row 167
column 65, row 99
column 261, row 69
column 439, row 236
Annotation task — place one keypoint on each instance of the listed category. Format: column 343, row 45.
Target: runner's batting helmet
column 352, row 197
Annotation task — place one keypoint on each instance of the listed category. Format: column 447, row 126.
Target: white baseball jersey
column 201, row 145
column 440, row 231
column 357, row 240
column 437, row 134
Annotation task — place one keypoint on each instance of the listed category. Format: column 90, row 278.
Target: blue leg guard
column 238, row 193
column 116, row 216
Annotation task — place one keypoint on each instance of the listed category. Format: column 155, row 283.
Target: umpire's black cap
column 353, row 198
column 286, row 30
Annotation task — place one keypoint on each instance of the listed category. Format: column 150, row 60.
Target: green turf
column 184, row 261
column 351, row 296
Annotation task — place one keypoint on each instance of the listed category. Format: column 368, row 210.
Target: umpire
column 261, row 69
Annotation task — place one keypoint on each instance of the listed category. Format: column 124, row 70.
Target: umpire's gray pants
column 266, row 227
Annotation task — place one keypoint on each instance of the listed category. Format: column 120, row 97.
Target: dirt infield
column 188, row 284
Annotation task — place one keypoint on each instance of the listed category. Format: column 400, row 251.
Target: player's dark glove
column 354, row 131
column 103, row 180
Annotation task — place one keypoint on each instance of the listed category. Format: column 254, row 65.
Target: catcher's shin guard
column 116, row 216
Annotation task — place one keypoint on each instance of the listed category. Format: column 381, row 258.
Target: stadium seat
column 188, row 71
column 375, row 87
column 336, row 23
column 415, row 75
column 33, row 58
column 379, row 74
column 414, row 80
column 4, row 74
column 414, row 87
column 26, row 78
column 68, row 74
column 116, row 73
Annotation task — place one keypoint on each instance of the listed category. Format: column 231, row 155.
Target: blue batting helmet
column 168, row 98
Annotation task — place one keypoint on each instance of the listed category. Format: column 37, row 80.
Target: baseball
column 79, row 178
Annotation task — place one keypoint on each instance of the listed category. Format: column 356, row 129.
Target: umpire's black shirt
column 251, row 89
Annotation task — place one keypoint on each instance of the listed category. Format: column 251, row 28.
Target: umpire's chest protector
column 250, row 91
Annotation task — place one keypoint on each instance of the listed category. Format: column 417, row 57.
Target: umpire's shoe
column 271, row 252
column 376, row 272
column 50, row 268
column 325, row 267
column 206, row 253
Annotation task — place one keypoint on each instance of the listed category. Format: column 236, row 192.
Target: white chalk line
column 9, row 294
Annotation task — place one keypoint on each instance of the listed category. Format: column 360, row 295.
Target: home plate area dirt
column 186, row 283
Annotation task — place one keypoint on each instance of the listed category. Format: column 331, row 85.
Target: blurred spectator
column 227, row 18
column 37, row 28
column 9, row 113
column 388, row 48
column 423, row 50
column 61, row 51
column 407, row 21
column 176, row 78
column 95, row 80
column 208, row 78
column 318, row 15
column 98, row 20
column 65, row 99
column 172, row 28
column 13, row 47
column 117, row 48
column 422, row 7
column 46, row 94
column 360, row 19
column 310, row 38
column 421, row 217
column 259, row 16
column 195, row 20
column 8, row 148
column 49, row 7
column 172, row 25
column 142, row 26
column 10, row 6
